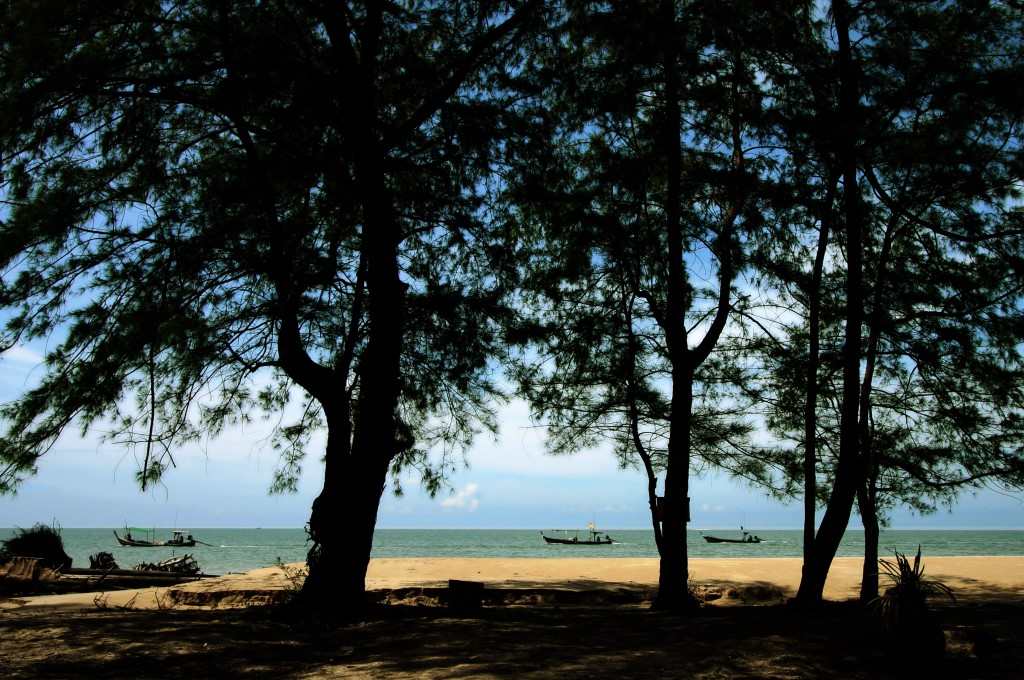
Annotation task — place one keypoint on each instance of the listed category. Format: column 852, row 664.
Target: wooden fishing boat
column 590, row 537
column 747, row 538
column 179, row 538
column 716, row 539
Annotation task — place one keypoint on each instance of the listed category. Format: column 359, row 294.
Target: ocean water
column 235, row 550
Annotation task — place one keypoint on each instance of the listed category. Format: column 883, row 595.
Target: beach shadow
column 749, row 592
column 532, row 642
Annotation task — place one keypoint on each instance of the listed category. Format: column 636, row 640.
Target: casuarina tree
column 636, row 212
column 211, row 205
column 917, row 299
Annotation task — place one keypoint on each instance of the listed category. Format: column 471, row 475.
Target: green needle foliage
column 935, row 270
column 689, row 218
column 637, row 215
column 213, row 209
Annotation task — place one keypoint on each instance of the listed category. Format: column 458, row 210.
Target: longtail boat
column 179, row 538
column 591, row 537
column 747, row 538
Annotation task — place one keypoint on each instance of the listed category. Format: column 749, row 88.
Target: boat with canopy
column 179, row 538
column 591, row 536
column 747, row 538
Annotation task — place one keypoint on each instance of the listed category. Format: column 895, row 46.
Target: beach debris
column 28, row 569
column 41, row 542
column 102, row 560
column 710, row 594
column 756, row 592
column 185, row 565
column 465, row 595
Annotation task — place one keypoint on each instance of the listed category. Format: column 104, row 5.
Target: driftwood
column 30, row 569
column 184, row 565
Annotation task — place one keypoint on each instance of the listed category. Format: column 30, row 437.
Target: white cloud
column 22, row 355
column 520, row 449
column 464, row 498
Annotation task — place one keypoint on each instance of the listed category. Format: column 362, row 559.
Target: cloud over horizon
column 465, row 498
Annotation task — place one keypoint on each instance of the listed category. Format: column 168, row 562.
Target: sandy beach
column 211, row 628
column 972, row 578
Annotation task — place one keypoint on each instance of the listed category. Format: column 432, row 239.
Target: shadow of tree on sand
column 538, row 642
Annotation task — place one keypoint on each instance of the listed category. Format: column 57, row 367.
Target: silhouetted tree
column 928, row 154
column 199, row 192
column 645, row 194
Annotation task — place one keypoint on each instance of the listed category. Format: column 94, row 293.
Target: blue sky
column 510, row 483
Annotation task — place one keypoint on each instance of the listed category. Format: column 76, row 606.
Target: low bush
column 909, row 628
column 40, row 541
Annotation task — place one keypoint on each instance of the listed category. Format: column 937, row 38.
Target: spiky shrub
column 908, row 626
column 40, row 541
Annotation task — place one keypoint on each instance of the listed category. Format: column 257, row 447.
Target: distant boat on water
column 591, row 537
column 179, row 538
column 747, row 538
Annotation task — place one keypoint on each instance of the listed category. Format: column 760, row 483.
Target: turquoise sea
column 234, row 550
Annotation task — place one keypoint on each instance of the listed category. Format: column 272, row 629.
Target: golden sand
column 970, row 577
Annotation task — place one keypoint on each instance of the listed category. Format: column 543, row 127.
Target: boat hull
column 569, row 541
column 133, row 543
column 715, row 539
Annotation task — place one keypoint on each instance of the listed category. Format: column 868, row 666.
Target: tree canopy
column 693, row 222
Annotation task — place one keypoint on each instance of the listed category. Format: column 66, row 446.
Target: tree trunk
column 811, row 403
column 673, row 574
column 337, row 526
column 652, row 501
column 866, row 502
column 375, row 443
column 867, row 495
column 345, row 514
column 848, row 470
column 634, row 423
column 341, row 527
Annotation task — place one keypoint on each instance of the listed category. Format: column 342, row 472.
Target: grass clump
column 909, row 627
column 40, row 541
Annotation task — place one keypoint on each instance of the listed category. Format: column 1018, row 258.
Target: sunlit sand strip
column 971, row 578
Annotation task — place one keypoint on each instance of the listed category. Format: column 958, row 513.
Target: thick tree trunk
column 345, row 514
column 376, row 430
column 341, row 528
column 673, row 573
column 848, row 470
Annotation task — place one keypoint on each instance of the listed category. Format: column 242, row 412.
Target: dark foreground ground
column 984, row 641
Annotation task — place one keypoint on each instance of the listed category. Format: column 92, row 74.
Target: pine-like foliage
column 637, row 216
column 211, row 205
column 938, row 160
column 180, row 194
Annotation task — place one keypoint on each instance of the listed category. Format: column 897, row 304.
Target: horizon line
column 457, row 528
